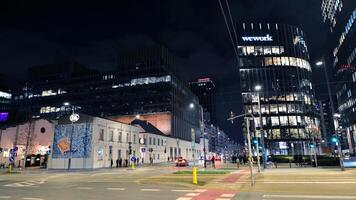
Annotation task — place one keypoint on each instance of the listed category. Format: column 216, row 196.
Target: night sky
column 92, row 33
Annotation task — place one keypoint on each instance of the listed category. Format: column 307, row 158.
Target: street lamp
column 73, row 118
column 335, row 115
column 202, row 129
column 258, row 89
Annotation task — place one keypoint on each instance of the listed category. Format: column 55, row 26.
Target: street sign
column 133, row 159
column 142, row 149
column 193, row 137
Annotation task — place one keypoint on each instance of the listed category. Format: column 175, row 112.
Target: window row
column 279, row 121
column 275, row 61
column 260, row 50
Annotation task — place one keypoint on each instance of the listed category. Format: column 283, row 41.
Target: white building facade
column 98, row 142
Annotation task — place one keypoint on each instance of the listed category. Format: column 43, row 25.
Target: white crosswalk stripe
column 26, row 183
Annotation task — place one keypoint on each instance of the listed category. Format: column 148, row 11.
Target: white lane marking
column 182, row 190
column 150, row 190
column 5, row 197
column 310, row 182
column 308, row 196
column 184, row 198
column 30, row 198
column 192, row 194
column 84, row 188
column 120, row 189
column 200, row 190
column 227, row 195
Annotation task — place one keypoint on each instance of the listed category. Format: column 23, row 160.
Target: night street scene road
column 178, row 100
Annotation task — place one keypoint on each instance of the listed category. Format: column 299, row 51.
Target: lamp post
column 73, row 118
column 335, row 115
column 258, row 88
column 202, row 130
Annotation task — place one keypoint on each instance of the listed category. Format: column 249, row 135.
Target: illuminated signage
column 5, row 95
column 4, row 116
column 267, row 38
column 203, row 80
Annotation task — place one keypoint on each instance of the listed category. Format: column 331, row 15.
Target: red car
column 181, row 162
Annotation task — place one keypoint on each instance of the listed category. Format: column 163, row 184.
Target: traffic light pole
column 249, row 150
column 250, row 159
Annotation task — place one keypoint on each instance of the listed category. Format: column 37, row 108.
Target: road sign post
column 195, row 177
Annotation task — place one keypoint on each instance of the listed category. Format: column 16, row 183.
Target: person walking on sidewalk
column 213, row 161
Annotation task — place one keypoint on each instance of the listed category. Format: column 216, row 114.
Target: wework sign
column 266, row 38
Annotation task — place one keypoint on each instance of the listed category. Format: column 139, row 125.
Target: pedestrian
column 120, row 162
column 111, row 163
column 168, row 158
column 142, row 160
column 117, row 163
column 137, row 161
column 213, row 161
column 151, row 161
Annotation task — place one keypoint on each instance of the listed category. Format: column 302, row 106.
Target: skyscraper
column 340, row 16
column 204, row 88
column 275, row 57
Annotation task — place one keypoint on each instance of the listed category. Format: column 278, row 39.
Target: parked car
column 350, row 161
column 181, row 162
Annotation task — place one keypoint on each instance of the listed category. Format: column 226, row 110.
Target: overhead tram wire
column 228, row 29
column 232, row 22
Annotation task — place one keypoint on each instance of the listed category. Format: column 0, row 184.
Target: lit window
column 267, row 51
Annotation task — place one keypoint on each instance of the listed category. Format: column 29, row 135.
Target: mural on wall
column 81, row 141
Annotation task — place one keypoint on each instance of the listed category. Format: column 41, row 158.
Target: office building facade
column 151, row 90
column 204, row 89
column 340, row 17
column 275, row 57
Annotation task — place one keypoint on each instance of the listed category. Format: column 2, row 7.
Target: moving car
column 181, row 162
column 350, row 161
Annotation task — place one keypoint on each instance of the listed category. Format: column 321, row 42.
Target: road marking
column 310, row 182
column 200, row 190
column 192, row 194
column 150, row 190
column 120, row 189
column 30, row 198
column 184, row 198
column 84, row 188
column 308, row 197
column 5, row 197
column 182, row 190
column 227, row 195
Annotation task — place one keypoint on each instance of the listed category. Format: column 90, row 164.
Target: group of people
column 124, row 162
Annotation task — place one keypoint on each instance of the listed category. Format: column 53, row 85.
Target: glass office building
column 340, row 16
column 275, row 56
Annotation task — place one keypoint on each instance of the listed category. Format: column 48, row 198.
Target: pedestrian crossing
column 31, row 183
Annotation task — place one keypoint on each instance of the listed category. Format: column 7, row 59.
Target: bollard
column 10, row 169
column 195, row 177
column 132, row 166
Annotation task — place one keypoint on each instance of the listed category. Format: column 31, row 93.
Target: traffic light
column 334, row 139
column 312, row 145
column 130, row 148
column 254, row 140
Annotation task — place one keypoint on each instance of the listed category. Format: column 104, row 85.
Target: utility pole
column 202, row 127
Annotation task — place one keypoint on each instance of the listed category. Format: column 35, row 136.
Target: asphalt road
column 273, row 184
